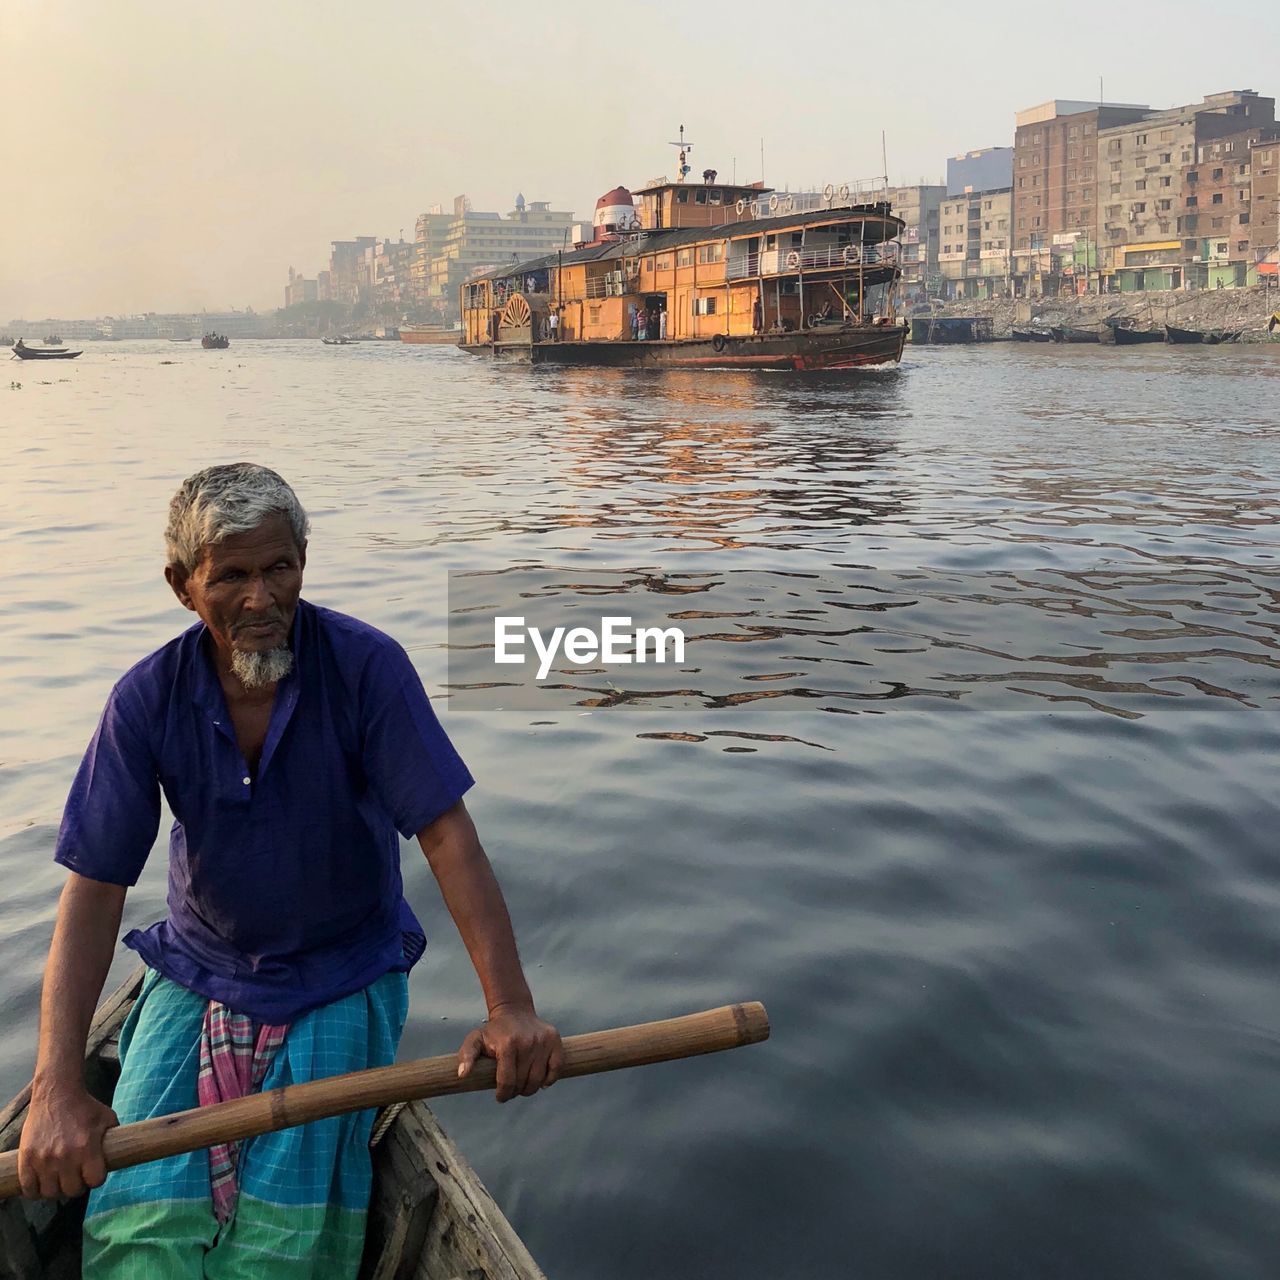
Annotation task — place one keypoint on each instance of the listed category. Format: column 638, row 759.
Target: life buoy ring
column 741, row 206
column 844, row 192
column 718, row 342
column 793, row 260
column 850, row 254
column 787, row 204
column 827, row 192
column 774, row 202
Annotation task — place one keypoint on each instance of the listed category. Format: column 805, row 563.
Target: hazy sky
column 169, row 156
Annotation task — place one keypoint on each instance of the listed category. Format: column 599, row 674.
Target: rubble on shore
column 1247, row 309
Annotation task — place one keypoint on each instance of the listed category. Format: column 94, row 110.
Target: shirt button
column 246, row 782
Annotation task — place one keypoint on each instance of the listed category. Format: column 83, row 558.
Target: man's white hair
column 218, row 502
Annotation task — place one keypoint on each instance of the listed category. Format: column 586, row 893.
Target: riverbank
column 1245, row 309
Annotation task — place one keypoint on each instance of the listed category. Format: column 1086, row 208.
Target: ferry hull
column 846, row 348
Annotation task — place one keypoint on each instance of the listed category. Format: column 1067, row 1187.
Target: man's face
column 246, row 587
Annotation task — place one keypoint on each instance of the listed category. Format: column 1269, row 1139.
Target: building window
column 1216, row 224
column 1221, row 247
column 1164, row 205
column 1243, row 219
column 1141, row 184
column 1192, row 201
column 1217, row 198
column 1166, row 157
column 1217, row 175
column 704, row 306
column 1140, row 207
column 1141, row 140
column 1242, row 246
column 1115, row 166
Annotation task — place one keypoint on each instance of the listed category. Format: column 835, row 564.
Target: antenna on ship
column 682, row 171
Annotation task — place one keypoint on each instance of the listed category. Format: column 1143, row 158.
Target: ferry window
column 701, row 195
column 664, row 264
column 593, row 315
column 684, row 258
column 682, row 196
column 648, row 264
column 704, row 306
column 716, row 196
column 710, row 252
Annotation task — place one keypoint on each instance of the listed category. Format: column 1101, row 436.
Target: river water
column 969, row 774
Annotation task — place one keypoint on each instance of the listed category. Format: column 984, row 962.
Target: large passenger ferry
column 705, row 274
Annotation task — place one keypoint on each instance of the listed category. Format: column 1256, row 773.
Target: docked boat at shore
column 430, row 1217
column 1207, row 337
column 717, row 275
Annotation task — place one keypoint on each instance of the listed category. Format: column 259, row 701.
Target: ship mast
column 682, row 170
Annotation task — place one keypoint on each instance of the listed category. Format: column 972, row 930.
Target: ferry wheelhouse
column 709, row 274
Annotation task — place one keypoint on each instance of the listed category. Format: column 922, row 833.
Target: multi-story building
column 1264, row 218
column 390, row 265
column 1154, row 221
column 973, row 258
column 429, row 233
column 473, row 240
column 919, row 206
column 324, row 286
column 987, row 169
column 1216, row 231
column 1055, row 192
column 299, row 290
column 350, row 279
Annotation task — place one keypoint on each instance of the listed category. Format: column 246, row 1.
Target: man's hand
column 61, row 1149
column 528, row 1051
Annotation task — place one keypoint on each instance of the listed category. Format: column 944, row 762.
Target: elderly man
column 292, row 743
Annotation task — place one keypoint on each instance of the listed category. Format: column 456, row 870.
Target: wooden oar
column 584, row 1055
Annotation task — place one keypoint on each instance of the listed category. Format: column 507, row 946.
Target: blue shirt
column 284, row 889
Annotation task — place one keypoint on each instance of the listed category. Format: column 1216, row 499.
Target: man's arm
column 61, row 1149
column 527, row 1049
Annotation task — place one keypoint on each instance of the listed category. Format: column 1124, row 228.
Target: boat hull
column 29, row 353
column 430, row 336
column 854, row 347
column 430, row 1217
column 1135, row 337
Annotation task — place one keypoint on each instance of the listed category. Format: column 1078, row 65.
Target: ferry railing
column 820, row 257
column 835, row 195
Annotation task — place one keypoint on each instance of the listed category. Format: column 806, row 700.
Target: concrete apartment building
column 349, row 280
column 299, row 290
column 973, row 259
column 975, row 221
column 472, row 240
column 1264, row 222
column 1155, row 222
column 1055, row 192
column 919, row 207
column 1217, row 230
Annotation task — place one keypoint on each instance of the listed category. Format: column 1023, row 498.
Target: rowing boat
column 430, row 1217
column 34, row 353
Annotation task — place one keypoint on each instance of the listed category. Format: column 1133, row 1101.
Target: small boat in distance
column 24, row 352
column 215, row 342
column 430, row 1216
column 53, row 340
column 341, row 341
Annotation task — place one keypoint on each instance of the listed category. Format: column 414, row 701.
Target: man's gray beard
column 257, row 670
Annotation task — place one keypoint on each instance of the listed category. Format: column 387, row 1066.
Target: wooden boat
column 34, row 353
column 1031, row 334
column 1127, row 337
column 435, row 334
column 1065, row 333
column 53, row 340
column 215, row 342
column 341, row 341
column 430, row 1217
